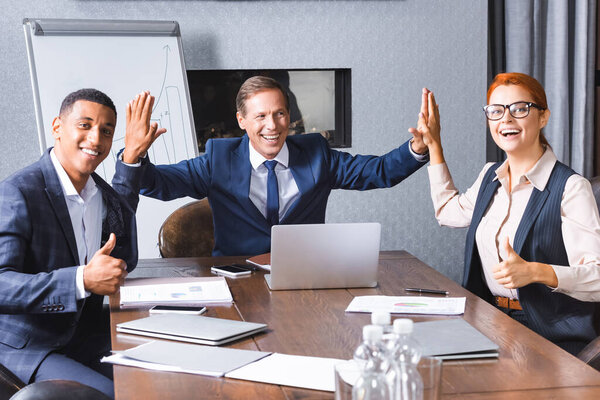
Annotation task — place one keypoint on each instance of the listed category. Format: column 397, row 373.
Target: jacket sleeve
column 361, row 172
column 22, row 292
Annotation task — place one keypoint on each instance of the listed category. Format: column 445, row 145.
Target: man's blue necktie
column 272, row 193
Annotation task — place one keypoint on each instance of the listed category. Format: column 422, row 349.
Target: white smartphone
column 195, row 310
column 232, row 271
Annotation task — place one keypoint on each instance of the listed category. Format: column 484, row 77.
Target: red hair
column 529, row 83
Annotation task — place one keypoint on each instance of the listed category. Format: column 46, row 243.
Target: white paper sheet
column 190, row 291
column 299, row 371
column 408, row 304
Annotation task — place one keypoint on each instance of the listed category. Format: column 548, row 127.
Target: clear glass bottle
column 404, row 355
column 371, row 355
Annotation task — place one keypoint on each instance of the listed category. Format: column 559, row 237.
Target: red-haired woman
column 533, row 244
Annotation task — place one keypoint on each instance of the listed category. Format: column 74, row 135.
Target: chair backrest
column 9, row 383
column 595, row 181
column 188, row 231
column 591, row 354
column 56, row 389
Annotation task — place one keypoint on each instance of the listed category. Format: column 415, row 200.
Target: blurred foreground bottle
column 372, row 357
column 404, row 354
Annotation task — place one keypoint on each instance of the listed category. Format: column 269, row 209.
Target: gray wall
column 394, row 48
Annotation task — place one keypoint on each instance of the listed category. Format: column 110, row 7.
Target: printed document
column 180, row 291
column 408, row 304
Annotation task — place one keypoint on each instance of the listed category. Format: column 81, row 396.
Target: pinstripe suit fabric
column 560, row 318
column 38, row 260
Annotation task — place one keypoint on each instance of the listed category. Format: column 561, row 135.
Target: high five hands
column 514, row 272
column 427, row 133
column 104, row 274
column 139, row 133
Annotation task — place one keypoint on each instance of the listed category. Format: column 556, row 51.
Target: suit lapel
column 303, row 175
column 113, row 222
column 240, row 171
column 57, row 200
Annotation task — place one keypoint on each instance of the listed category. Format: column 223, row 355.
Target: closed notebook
column 450, row 339
column 191, row 328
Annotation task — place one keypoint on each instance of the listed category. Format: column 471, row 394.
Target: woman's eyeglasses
column 520, row 109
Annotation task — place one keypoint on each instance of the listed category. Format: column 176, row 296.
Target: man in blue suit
column 267, row 177
column 66, row 240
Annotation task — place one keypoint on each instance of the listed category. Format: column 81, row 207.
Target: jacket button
column 44, row 307
column 61, row 307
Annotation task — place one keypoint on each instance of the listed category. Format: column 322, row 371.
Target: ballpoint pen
column 431, row 291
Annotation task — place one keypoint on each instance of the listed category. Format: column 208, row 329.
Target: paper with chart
column 180, row 291
column 408, row 304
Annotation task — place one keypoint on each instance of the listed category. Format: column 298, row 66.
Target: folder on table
column 191, row 328
column 451, row 339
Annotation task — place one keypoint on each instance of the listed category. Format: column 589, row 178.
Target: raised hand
column 104, row 274
column 514, row 272
column 427, row 133
column 139, row 133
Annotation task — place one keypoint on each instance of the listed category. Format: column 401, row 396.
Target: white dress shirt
column 579, row 216
column 87, row 210
column 288, row 189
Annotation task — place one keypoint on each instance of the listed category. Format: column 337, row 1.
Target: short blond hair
column 254, row 85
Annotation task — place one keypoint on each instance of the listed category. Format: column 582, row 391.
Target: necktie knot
column 270, row 164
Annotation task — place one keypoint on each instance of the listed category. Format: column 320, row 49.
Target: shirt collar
column 256, row 159
column 538, row 175
column 68, row 188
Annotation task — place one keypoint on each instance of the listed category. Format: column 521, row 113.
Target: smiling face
column 266, row 121
column 82, row 139
column 517, row 136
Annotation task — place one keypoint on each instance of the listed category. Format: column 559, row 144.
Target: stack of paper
column 408, row 304
column 180, row 291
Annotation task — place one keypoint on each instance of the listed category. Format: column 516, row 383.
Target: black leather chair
column 188, row 231
column 58, row 390
column 9, row 383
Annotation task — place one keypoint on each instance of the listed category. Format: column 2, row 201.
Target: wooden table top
column 313, row 323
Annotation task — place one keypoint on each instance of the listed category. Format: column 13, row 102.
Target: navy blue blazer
column 562, row 319
column 223, row 175
column 38, row 261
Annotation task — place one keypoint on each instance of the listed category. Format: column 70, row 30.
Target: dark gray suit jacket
column 38, row 260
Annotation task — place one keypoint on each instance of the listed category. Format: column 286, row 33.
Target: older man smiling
column 267, row 177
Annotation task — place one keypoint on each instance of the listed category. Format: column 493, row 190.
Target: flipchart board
column 121, row 59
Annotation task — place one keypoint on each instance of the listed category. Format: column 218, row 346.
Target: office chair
column 9, row 383
column 188, row 231
column 58, row 390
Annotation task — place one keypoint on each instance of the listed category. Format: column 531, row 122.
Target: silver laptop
column 324, row 256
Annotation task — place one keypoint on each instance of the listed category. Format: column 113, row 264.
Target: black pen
column 432, row 291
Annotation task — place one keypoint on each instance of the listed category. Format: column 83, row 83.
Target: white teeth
column 509, row 131
column 273, row 137
column 90, row 152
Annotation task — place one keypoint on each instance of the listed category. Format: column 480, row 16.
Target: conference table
column 314, row 323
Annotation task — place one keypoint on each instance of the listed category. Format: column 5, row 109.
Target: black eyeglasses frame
column 529, row 104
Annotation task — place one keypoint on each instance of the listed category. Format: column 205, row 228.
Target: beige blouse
column 579, row 214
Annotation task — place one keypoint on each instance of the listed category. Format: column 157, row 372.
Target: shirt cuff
column 80, row 292
column 419, row 157
column 566, row 279
column 137, row 164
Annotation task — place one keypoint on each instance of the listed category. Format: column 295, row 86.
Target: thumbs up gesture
column 104, row 274
column 514, row 272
